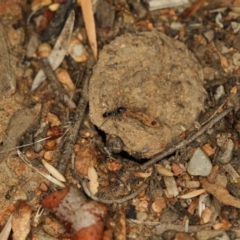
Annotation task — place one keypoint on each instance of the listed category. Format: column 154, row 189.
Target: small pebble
column 226, row 156
column 171, row 185
column 236, row 59
column 222, row 236
column 142, row 216
column 169, row 216
column 176, row 26
column 218, row 20
column 212, row 235
column 219, row 92
column 221, row 139
column 209, row 73
column 236, row 42
column 199, row 164
column 234, row 189
column 77, row 51
column 235, row 27
column 209, row 35
column 221, row 180
column 192, row 184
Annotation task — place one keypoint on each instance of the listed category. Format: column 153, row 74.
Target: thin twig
column 107, row 201
column 185, row 142
column 162, row 227
column 28, row 163
column 56, row 86
column 71, row 136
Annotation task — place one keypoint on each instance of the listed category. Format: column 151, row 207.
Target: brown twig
column 56, row 86
column 107, row 201
column 185, row 142
column 162, row 227
column 193, row 9
column 71, row 136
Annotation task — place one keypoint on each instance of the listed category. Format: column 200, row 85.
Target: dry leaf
column 192, row 194
column 213, row 174
column 141, row 174
column 59, row 51
column 221, row 194
column 86, row 218
column 52, row 170
column 192, row 9
column 88, row 17
column 21, row 222
column 4, row 235
column 93, row 183
column 164, row 171
column 231, row 171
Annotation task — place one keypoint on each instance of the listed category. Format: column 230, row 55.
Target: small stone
column 221, row 139
column 159, row 204
column 219, row 92
column 183, row 236
column 142, row 216
column 235, row 27
column 236, row 42
column 199, row 164
column 236, row 59
column 212, row 235
column 192, row 184
column 171, row 185
column 176, row 26
column 226, row 156
column 169, row 216
column 208, row 73
column 209, row 35
column 234, row 189
column 221, row 180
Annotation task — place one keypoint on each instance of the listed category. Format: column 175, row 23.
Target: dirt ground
column 118, row 122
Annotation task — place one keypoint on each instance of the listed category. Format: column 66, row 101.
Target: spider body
column 117, row 112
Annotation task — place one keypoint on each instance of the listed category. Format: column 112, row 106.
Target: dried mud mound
column 146, row 89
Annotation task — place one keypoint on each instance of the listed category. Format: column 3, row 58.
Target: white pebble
column 199, row 164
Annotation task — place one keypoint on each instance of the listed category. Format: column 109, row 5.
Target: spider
column 116, row 112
